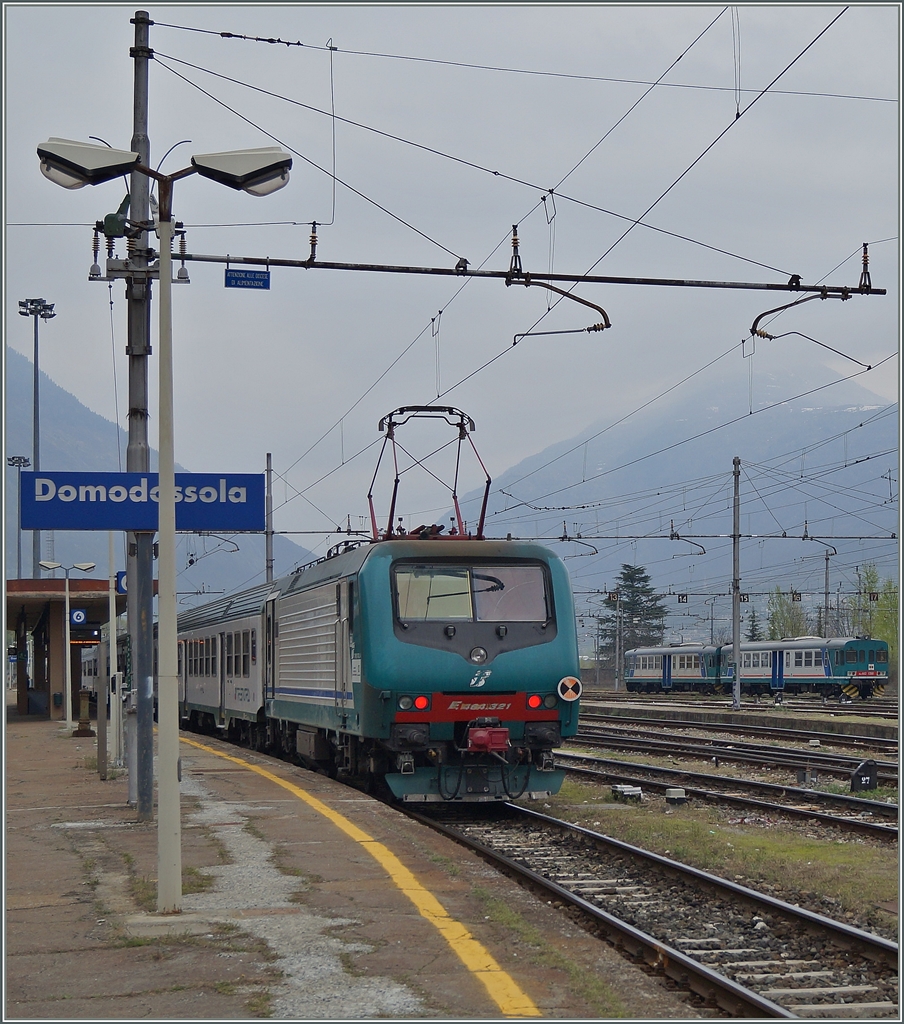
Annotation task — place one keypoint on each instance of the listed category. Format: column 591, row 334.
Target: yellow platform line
column 501, row 987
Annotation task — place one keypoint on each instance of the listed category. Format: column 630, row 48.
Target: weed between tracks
column 842, row 878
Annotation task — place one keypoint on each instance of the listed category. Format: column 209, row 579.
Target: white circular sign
column 78, row 617
column 570, row 688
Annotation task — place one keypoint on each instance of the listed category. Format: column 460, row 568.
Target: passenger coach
column 854, row 666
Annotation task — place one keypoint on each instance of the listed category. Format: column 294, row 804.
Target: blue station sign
column 247, row 279
column 220, row 502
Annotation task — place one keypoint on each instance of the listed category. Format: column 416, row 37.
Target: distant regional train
column 447, row 667
column 853, row 666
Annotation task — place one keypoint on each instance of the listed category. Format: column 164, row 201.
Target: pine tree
column 642, row 612
column 754, row 632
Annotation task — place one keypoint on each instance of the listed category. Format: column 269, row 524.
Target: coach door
column 271, row 653
column 778, row 670
column 343, row 672
column 218, row 669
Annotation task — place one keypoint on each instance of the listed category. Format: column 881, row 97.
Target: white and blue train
column 853, row 666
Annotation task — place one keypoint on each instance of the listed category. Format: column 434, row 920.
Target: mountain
column 73, row 438
column 818, row 463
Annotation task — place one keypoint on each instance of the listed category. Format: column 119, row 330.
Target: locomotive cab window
column 479, row 593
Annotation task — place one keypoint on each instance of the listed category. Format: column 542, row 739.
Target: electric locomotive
column 447, row 667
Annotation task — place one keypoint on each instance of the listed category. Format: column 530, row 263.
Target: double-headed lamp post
column 259, row 172
column 67, row 658
column 20, row 462
column 40, row 310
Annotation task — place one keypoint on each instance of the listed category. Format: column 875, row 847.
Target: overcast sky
column 442, row 97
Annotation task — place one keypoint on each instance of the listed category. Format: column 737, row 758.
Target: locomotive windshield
column 484, row 593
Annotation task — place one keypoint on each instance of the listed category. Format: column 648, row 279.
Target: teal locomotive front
column 470, row 668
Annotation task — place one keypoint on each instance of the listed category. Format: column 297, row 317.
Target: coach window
column 808, row 658
column 253, row 646
column 881, row 657
column 207, row 655
column 214, row 644
column 246, row 653
column 229, row 654
column 862, row 655
column 851, row 657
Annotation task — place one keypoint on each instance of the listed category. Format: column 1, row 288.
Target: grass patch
column 451, row 867
column 253, row 830
column 144, row 892
column 884, row 794
column 846, row 874
column 583, row 983
column 260, row 1004
column 194, row 881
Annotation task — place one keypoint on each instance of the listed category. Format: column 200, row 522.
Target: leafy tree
column 786, row 617
column 754, row 632
column 642, row 611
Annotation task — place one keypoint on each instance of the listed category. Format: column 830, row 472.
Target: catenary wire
column 517, row 71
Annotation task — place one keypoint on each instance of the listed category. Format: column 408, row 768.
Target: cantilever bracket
column 754, row 329
column 527, row 282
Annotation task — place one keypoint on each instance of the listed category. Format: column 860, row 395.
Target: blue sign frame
column 247, row 279
column 220, row 502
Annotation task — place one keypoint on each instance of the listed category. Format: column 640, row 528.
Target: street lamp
column 40, row 310
column 258, row 172
column 20, row 462
column 67, row 659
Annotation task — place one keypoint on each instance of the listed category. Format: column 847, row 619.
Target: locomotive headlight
column 478, row 655
column 549, row 701
column 405, row 702
column 534, row 701
column 421, row 703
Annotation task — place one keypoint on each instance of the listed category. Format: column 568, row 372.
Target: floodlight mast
column 259, row 172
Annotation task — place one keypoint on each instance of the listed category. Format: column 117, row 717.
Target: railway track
column 885, row 744
column 875, row 707
column 716, row 750
column 851, row 813
column 746, row 953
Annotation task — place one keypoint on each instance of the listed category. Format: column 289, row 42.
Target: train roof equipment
column 465, row 425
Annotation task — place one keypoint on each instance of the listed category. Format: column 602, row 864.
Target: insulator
column 131, row 246
column 515, row 267
column 109, row 248
column 183, row 248
column 95, row 249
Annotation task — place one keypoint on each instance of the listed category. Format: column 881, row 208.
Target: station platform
column 302, row 899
